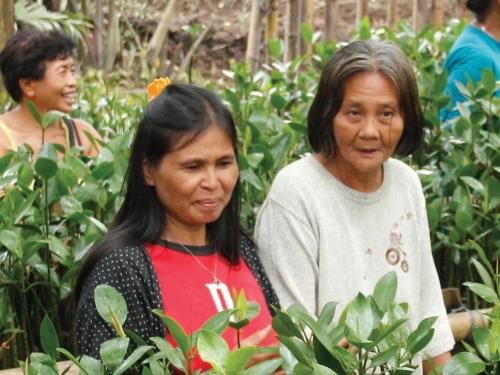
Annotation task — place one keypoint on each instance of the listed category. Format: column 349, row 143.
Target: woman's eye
column 225, row 163
column 192, row 167
column 387, row 114
column 354, row 112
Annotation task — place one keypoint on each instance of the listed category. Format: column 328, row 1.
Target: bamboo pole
column 361, row 10
column 253, row 41
column 98, row 33
column 160, row 35
column 306, row 10
column 392, row 14
column 414, row 14
column 437, row 12
column 272, row 25
column 331, row 20
column 292, row 32
column 113, row 39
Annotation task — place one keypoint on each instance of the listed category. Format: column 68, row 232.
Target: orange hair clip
column 156, row 86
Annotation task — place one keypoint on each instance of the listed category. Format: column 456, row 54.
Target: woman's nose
column 370, row 127
column 210, row 180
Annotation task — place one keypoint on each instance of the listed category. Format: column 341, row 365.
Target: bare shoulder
column 85, row 128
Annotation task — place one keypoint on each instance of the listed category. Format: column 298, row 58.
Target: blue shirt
column 473, row 50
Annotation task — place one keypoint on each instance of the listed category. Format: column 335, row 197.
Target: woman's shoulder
column 295, row 177
column 402, row 172
column 85, row 130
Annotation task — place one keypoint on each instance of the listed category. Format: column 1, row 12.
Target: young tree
column 6, row 20
column 331, row 20
column 160, row 35
column 292, row 31
column 392, row 14
column 253, row 41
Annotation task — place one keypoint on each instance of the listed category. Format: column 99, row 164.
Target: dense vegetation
column 51, row 211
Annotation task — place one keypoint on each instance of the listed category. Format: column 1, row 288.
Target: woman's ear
column 148, row 171
column 27, row 87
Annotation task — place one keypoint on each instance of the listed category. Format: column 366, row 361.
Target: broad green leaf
column 463, row 364
column 34, row 112
column 275, row 48
column 49, row 338
column 464, row 216
column 434, row 212
column 70, row 205
column 488, row 79
column 73, row 359
column 384, row 357
column 173, row 355
column 283, row 325
column 484, row 259
column 108, row 299
column 419, row 338
column 359, row 317
column 473, row 183
column 327, row 313
column 46, row 162
column 11, row 241
column 132, row 359
column 298, row 348
column 238, row 359
column 176, row 330
column 278, row 101
column 483, row 273
column 22, row 211
column 91, row 365
column 113, row 351
column 385, row 290
column 249, row 176
column 306, row 32
column 322, row 370
column 212, row 349
column 481, row 342
column 218, row 323
column 302, row 369
column 483, row 291
column 264, row 368
column 52, row 117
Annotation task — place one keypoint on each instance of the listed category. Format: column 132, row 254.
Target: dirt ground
column 226, row 40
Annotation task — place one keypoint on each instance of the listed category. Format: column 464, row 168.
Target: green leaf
column 278, row 101
column 212, row 349
column 34, row 112
column 91, row 365
column 52, row 117
column 108, row 299
column 359, row 317
column 488, row 80
column 298, row 348
column 483, row 291
column 384, row 357
column 176, row 330
column 385, row 290
column 419, row 338
column 264, row 368
column 481, row 341
column 71, row 205
column 473, row 183
column 132, row 359
column 464, row 217
column 434, row 212
column 46, row 162
column 113, row 351
column 11, row 241
column 463, row 364
column 238, row 359
column 322, row 370
column 327, row 313
column 275, row 48
column 22, row 211
column 218, row 323
column 48, row 338
column 249, row 176
column 483, row 273
column 283, row 325
column 173, row 355
column 484, row 259
column 306, row 32
column 73, row 359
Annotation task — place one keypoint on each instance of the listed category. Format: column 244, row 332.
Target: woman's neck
column 186, row 235
column 491, row 24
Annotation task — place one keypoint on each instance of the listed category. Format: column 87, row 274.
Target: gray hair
column 358, row 57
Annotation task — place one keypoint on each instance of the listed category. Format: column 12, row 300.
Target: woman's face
column 195, row 182
column 367, row 128
column 57, row 89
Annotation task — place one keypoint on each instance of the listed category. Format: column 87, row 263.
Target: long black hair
column 180, row 110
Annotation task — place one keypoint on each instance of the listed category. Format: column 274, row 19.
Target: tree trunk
column 52, row 5
column 292, row 32
column 331, row 20
column 306, row 9
column 361, row 10
column 462, row 10
column 253, row 41
column 437, row 12
column 6, row 21
column 98, row 33
column 392, row 14
column 424, row 13
column 160, row 34
column 113, row 37
column 272, row 25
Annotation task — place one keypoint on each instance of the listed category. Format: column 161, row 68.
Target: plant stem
column 238, row 337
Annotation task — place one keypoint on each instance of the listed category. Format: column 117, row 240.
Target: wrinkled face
column 195, row 182
column 368, row 126
column 57, row 89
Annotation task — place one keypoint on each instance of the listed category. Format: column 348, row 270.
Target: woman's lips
column 209, row 204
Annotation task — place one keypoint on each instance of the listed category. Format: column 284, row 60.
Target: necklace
column 213, row 274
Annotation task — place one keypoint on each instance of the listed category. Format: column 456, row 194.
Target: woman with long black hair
column 176, row 243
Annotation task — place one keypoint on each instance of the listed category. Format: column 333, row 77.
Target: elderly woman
column 337, row 220
column 38, row 66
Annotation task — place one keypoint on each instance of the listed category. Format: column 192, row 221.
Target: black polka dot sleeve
column 130, row 271
column 249, row 255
